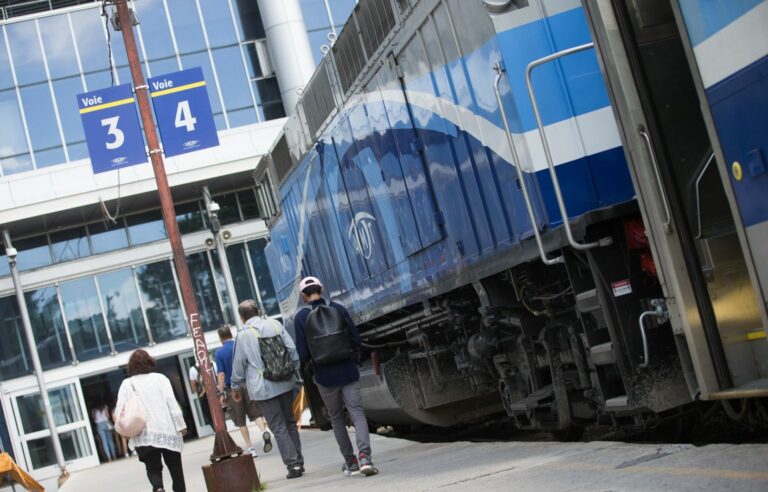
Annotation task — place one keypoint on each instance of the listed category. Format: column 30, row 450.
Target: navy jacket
column 329, row 375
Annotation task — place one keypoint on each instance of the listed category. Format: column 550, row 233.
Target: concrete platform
column 488, row 466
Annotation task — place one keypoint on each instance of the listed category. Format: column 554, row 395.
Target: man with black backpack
column 267, row 363
column 326, row 338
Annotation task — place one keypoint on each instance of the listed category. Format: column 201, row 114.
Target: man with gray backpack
column 326, row 338
column 266, row 362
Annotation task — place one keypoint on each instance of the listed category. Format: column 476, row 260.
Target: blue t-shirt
column 224, row 357
column 337, row 373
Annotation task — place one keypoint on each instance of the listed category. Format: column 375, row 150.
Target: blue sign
column 112, row 129
column 183, row 112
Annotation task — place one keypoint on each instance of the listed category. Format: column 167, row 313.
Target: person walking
column 266, row 362
column 162, row 436
column 335, row 370
column 101, row 417
column 244, row 406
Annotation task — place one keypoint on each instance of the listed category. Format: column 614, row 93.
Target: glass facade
column 46, row 61
column 324, row 17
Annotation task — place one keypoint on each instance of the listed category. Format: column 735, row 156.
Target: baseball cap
column 309, row 281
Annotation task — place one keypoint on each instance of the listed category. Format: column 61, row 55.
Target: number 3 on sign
column 113, row 131
column 184, row 116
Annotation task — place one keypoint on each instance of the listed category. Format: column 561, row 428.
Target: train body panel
column 399, row 189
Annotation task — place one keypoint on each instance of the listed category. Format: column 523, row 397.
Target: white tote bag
column 132, row 418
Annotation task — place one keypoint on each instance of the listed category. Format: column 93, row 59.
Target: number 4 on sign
column 184, row 116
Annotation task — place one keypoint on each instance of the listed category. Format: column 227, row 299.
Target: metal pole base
column 232, row 475
column 224, row 447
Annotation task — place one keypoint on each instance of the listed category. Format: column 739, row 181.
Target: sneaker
column 366, row 466
column 251, row 450
column 267, row 442
column 351, row 467
column 294, row 471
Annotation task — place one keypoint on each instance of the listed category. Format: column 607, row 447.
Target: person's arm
column 173, row 406
column 239, row 365
column 302, row 348
column 220, row 381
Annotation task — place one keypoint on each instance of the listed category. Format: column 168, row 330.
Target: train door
column 686, row 210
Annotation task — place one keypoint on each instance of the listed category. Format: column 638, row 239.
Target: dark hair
column 225, row 332
column 248, row 309
column 312, row 289
column 141, row 362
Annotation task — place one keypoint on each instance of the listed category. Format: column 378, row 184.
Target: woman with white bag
column 148, row 413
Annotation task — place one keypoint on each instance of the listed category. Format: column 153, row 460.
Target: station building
column 93, row 253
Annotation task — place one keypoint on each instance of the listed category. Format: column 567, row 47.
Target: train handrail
column 606, row 241
column 499, row 69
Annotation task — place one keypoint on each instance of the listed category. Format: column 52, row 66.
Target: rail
column 606, row 241
column 668, row 222
column 499, row 69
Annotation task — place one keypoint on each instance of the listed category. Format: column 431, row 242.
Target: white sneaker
column 251, row 450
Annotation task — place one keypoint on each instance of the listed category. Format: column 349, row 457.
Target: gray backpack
column 278, row 365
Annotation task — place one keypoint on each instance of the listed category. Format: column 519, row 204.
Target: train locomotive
column 552, row 211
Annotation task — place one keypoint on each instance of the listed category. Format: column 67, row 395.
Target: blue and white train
column 552, row 210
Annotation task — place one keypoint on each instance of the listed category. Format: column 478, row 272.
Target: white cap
column 308, row 281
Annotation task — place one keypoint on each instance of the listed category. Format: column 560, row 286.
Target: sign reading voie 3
column 183, row 112
column 112, row 129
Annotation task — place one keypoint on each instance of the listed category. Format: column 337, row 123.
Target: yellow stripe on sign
column 112, row 104
column 178, row 89
column 756, row 335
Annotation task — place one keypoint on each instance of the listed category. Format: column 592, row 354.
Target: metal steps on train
column 532, row 401
column 602, row 355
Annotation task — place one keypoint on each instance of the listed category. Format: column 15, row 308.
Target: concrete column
column 289, row 48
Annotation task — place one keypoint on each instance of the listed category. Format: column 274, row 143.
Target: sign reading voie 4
column 112, row 130
column 183, row 112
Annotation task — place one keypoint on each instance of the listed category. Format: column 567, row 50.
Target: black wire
column 105, row 14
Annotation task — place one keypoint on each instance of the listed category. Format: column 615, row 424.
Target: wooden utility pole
column 228, row 464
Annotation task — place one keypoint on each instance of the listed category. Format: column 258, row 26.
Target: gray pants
column 279, row 414
column 335, row 399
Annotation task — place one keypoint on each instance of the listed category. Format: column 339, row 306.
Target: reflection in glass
column 26, row 52
column 166, row 65
column 43, row 131
column 268, row 95
column 161, row 301
column 123, row 310
column 218, row 22
column 251, row 26
column 33, row 253
column 242, row 117
column 154, row 29
column 65, row 91
column 341, row 10
column 70, row 244
column 189, row 217
column 64, row 404
column 105, row 238
column 222, row 284
column 186, row 26
column 86, row 324
column 48, row 327
column 233, row 80
column 14, row 357
column 146, row 227
column 5, row 269
column 91, row 43
column 238, row 266
column 228, row 213
column 14, row 153
column 59, row 46
column 261, row 269
column 6, row 77
column 203, row 284
column 248, row 205
column 315, row 14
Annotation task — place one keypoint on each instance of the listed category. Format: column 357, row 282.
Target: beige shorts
column 239, row 409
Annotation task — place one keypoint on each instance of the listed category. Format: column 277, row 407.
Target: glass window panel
column 83, row 313
column 59, row 46
column 146, row 227
column 49, row 157
column 221, row 123
column 273, row 111
column 48, row 327
column 163, row 66
column 64, row 405
column 66, row 91
column 248, row 205
column 242, row 117
column 315, row 14
column 228, row 213
column 26, row 52
column 77, row 151
column 98, row 80
column 186, row 26
column 218, row 22
column 6, row 77
column 233, row 80
column 268, row 90
column 161, row 301
column 261, row 269
column 252, row 61
column 154, row 29
column 203, row 284
column 14, row 152
column 43, row 131
column 105, row 238
column 91, row 44
column 238, row 266
column 74, row 444
column 14, row 356
column 341, row 10
column 70, row 244
column 33, row 253
column 189, row 217
column 222, row 287
column 121, row 301
column 201, row 60
column 316, row 40
column 5, row 269
column 251, row 26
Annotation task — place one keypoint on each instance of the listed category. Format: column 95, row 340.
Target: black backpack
column 278, row 365
column 327, row 336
